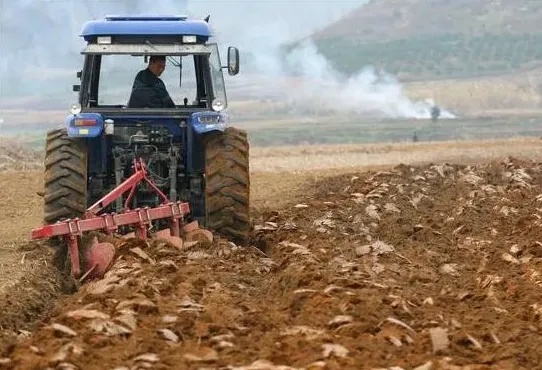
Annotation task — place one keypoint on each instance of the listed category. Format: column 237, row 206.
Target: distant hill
column 419, row 39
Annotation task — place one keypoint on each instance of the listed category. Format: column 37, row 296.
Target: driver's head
column 157, row 64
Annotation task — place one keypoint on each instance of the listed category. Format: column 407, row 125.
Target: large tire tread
column 227, row 179
column 65, row 178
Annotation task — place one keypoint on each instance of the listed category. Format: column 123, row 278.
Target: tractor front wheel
column 227, row 184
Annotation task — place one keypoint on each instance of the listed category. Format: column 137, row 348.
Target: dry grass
column 332, row 157
column 17, row 157
column 475, row 96
column 32, row 115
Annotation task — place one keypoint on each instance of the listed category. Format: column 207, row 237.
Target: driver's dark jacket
column 149, row 91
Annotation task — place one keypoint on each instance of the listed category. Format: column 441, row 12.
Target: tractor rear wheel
column 65, row 180
column 227, row 184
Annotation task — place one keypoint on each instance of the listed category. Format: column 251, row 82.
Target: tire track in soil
column 356, row 276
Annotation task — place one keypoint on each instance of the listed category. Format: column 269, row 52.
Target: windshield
column 117, row 74
column 181, row 78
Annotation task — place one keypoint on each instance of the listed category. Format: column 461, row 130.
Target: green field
column 355, row 131
column 437, row 56
column 394, row 131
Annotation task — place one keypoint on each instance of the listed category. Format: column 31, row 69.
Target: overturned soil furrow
column 26, row 301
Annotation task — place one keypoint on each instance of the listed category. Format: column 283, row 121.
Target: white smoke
column 305, row 82
column 367, row 92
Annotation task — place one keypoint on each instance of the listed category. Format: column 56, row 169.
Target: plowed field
column 426, row 266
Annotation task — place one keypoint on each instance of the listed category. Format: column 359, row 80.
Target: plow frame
column 70, row 230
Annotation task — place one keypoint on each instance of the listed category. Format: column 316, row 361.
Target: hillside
column 419, row 39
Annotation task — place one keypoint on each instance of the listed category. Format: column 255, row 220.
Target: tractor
column 188, row 153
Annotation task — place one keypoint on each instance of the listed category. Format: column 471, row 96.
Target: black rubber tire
column 227, row 184
column 65, row 178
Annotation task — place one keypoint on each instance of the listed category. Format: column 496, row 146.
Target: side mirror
column 76, row 88
column 233, row 61
column 79, row 74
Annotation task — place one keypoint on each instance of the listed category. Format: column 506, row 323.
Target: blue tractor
column 191, row 153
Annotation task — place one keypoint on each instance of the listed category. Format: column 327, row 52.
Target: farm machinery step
column 100, row 255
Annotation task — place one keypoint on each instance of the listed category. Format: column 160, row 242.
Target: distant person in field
column 435, row 113
column 148, row 90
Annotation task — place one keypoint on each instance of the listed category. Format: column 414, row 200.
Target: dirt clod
column 439, row 339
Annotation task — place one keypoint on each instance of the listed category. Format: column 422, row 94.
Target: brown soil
column 359, row 271
column 29, row 283
column 20, row 207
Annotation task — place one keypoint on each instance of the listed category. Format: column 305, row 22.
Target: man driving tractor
column 148, row 90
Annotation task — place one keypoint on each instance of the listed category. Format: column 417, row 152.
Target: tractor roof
column 142, row 25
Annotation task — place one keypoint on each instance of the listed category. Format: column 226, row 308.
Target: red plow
column 99, row 256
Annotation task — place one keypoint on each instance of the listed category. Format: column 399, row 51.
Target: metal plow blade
column 98, row 257
column 165, row 235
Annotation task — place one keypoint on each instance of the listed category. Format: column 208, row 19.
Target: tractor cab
column 118, row 47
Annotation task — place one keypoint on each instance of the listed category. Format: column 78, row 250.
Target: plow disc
column 100, row 255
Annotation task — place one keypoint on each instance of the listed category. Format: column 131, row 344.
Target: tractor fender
column 206, row 122
column 84, row 124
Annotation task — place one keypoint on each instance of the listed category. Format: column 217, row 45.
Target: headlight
column 189, row 39
column 75, row 109
column 109, row 126
column 104, row 40
column 217, row 105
